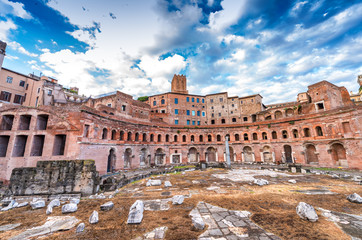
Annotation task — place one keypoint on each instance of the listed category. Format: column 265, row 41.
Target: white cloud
column 17, row 46
column 14, row 8
column 5, row 27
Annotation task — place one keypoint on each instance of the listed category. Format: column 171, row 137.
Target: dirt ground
column 272, row 207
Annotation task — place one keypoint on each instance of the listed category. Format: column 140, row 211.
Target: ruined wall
column 55, row 177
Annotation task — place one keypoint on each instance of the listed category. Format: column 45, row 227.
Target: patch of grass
column 329, row 169
column 181, row 167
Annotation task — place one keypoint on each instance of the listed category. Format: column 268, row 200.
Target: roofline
column 252, row 96
column 176, row 94
column 27, row 76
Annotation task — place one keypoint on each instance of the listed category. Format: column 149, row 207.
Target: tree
column 143, row 99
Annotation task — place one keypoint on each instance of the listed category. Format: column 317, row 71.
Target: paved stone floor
column 224, row 224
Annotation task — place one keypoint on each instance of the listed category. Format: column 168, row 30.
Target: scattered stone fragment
column 75, row 200
column 69, row 208
column 213, row 188
column 53, row 203
column 135, row 213
column 153, row 183
column 335, row 176
column 37, row 204
column 157, row 233
column 12, row 204
column 355, row 198
column 157, row 204
column 23, row 204
column 107, row 206
column 178, row 199
column 168, row 184
column 292, row 181
column 80, row 228
column 261, row 182
column 94, row 218
column 8, row 227
column 307, row 212
column 53, row 224
column 195, row 182
column 303, row 170
column 49, row 210
column 197, row 220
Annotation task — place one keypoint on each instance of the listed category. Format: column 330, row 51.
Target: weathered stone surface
column 157, row 204
column 107, row 206
column 261, row 182
column 80, row 228
column 307, row 212
column 53, row 224
column 37, row 204
column 292, row 181
column 168, row 184
column 355, row 198
column 49, row 210
column 94, row 218
column 136, row 213
column 12, row 204
column 157, row 233
column 54, row 203
column 74, row 176
column 74, row 200
column 23, row 204
column 8, row 227
column 151, row 182
column 197, row 220
column 69, row 208
column 178, row 199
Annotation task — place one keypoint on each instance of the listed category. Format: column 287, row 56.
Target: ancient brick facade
column 322, row 128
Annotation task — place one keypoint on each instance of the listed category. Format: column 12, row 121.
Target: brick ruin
column 322, row 128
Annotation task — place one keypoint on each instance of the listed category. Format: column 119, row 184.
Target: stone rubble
column 168, row 184
column 53, row 203
column 307, row 212
column 37, row 204
column 8, row 227
column 69, row 208
column 157, row 204
column 74, row 200
column 23, row 204
column 80, row 228
column 178, row 199
column 93, row 219
column 261, row 182
column 151, row 182
column 292, row 181
column 107, row 206
column 136, row 213
column 354, row 198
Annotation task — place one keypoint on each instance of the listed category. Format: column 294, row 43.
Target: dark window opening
column 19, row 146
column 319, row 131
column 129, row 136
column 4, row 143
column 209, row 138
column 320, row 106
column 233, row 119
column 5, row 96
column 285, row 134
column 183, row 138
column 306, row 132
column 223, row 121
column 86, row 131
column 246, row 137
column 274, row 135
column 218, row 138
column 121, row 135
column 255, row 136
column 159, row 138
column 212, row 121
column 192, row 138
column 175, row 138
column 42, row 122
column 104, row 133
column 136, row 137
column 151, row 138
column 201, row 138
column 253, row 118
column 7, row 122
column 144, row 137
column 295, row 133
column 167, row 138
column 24, row 122
column 245, row 119
column 59, row 144
column 264, row 136
column 38, row 144
column 237, row 137
column 114, row 135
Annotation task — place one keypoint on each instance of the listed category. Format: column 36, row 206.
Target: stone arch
column 121, row 135
column 104, row 133
column 211, row 154
column 111, row 160
column 278, row 114
column 255, row 136
column 319, row 131
column 232, row 154
column 128, row 158
column 160, row 156
column 248, row 155
column 144, row 137
column 295, row 133
column 237, row 137
column 246, row 137
column 289, row 112
column 264, row 136
column 310, row 154
column 136, row 136
column 145, row 158
column 114, row 135
column 193, row 155
column 339, row 155
column 267, row 154
column 201, row 138
column 129, row 136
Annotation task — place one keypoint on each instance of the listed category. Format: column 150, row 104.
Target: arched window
column 246, row 137
column 285, row 134
column 295, row 133
column 114, row 134
column 136, row 137
column 218, row 138
column 129, row 136
column 121, row 135
column 255, row 136
column 152, row 138
column 306, row 132
column 201, row 138
column 233, row 119
column 223, row 121
column 184, row 138
column 264, row 136
column 175, row 138
column 159, row 138
column 163, row 101
column 274, row 135
column 227, row 136
column 319, row 131
column 237, row 137
column 209, row 138
column 167, row 138
column 104, row 133
column 144, row 137
column 192, row 138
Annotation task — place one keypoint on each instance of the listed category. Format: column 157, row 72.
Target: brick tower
column 359, row 80
column 2, row 52
column 178, row 84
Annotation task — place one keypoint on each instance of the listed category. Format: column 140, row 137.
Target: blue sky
column 275, row 48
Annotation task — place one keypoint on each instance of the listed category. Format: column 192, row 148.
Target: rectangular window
column 193, row 123
column 241, row 102
column 193, row 112
column 211, row 100
column 203, row 114
column 50, row 92
column 27, row 86
column 154, row 103
column 219, row 114
column 22, row 83
column 203, row 100
column 59, row 144
column 86, row 131
column 346, row 127
column 38, row 90
column 176, row 122
column 212, row 115
column 36, row 101
column 4, row 143
column 176, row 100
column 188, row 112
column 187, row 99
column 198, row 113
column 176, row 111
column 198, row 123
column 192, row 99
column 18, row 99
column 24, row 122
column 38, row 144
column 188, row 122
column 197, row 100
column 221, row 99
column 123, row 107
column 9, row 80
column 19, row 146
column 5, row 96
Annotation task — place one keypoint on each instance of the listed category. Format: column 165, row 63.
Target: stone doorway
column 211, row 154
column 159, row 156
column 312, row 157
column 193, row 155
column 248, row 154
column 339, row 156
column 111, row 160
column 127, row 158
column 143, row 158
column 267, row 154
column 288, row 154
